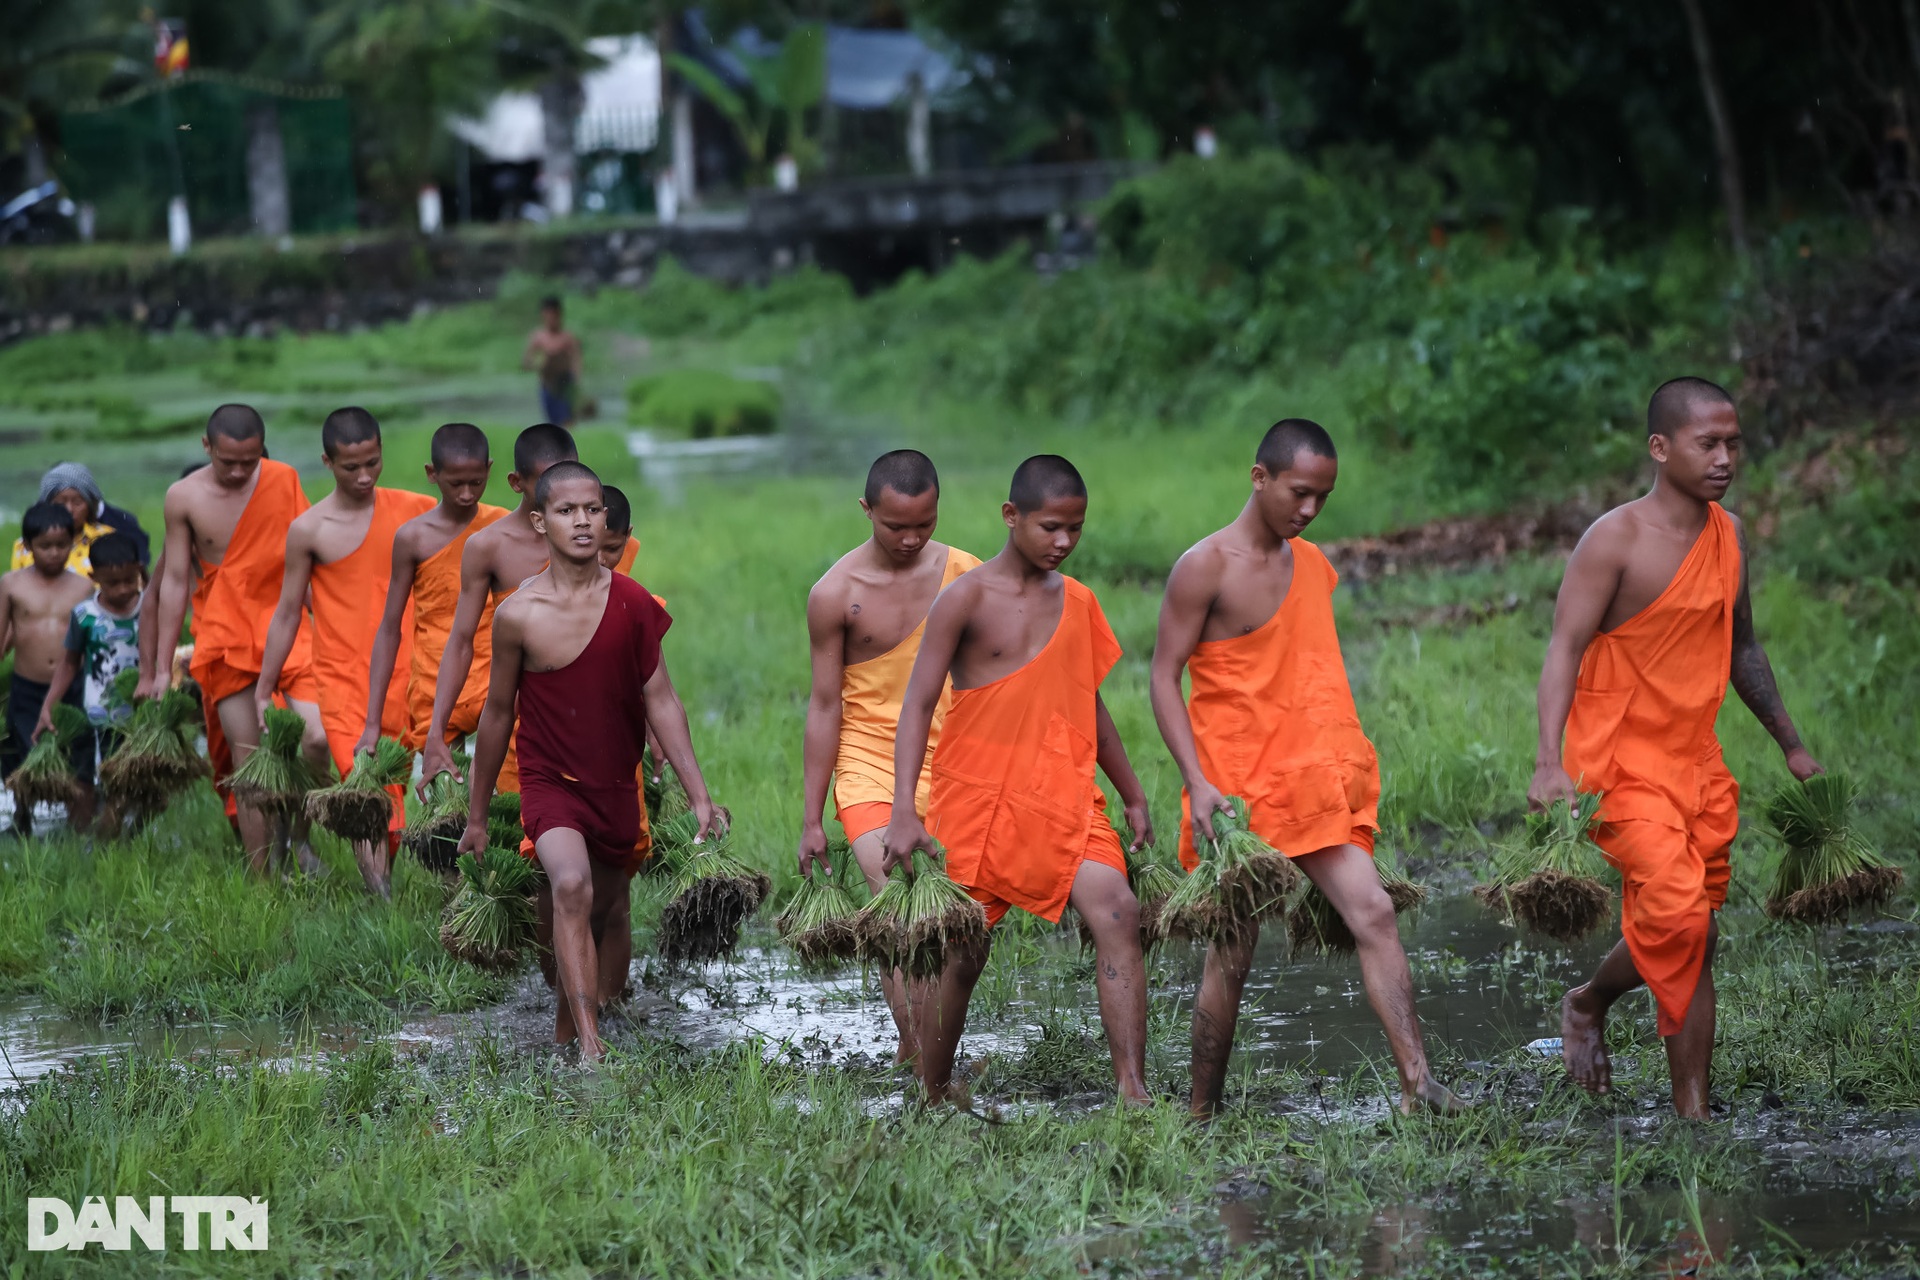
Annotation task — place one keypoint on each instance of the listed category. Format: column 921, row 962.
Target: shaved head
column 907, row 472
column 557, row 474
column 351, row 425
column 1043, row 478
column 542, row 445
column 236, row 422
column 458, row 442
column 1674, row 401
column 1286, row 438
column 619, row 510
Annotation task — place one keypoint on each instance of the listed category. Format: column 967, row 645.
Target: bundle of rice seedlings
column 45, row 775
column 1553, row 878
column 156, row 759
column 1240, row 881
column 1828, row 870
column 503, row 821
column 713, row 894
column 818, row 920
column 275, row 778
column 358, row 807
column 1314, row 925
column 490, row 919
column 1152, row 884
column 671, row 835
column 434, row 833
column 918, row 917
column 665, row 797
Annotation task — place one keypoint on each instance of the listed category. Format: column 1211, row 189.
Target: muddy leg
column 893, row 983
column 940, row 1014
column 1101, row 896
column 570, row 872
column 375, row 868
column 1216, row 1012
column 1690, row 1050
column 1583, row 1019
column 613, row 933
column 313, row 745
column 242, row 730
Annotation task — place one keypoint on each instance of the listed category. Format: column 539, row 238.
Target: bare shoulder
column 1201, row 566
column 832, row 586
column 1612, row 536
column 965, row 593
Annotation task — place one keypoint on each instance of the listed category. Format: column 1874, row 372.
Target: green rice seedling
column 818, row 920
column 156, row 760
column 45, row 775
column 275, row 778
column 503, row 821
column 358, row 807
column 1828, row 870
column 1553, row 878
column 665, row 797
column 1240, row 880
column 713, row 895
column 918, row 918
column 434, row 834
column 1313, row 924
column 671, row 835
column 489, row 921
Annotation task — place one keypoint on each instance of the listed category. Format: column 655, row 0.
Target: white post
column 684, row 177
column 179, row 226
column 919, row 127
column 666, row 197
column 786, row 173
column 430, row 210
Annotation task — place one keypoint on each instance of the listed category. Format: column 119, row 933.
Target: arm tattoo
column 1752, row 674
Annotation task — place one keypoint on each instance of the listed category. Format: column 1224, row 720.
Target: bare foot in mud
column 309, row 861
column 1434, row 1098
column 1583, row 1043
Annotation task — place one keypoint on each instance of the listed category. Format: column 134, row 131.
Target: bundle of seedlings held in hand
column 1553, row 878
column 46, row 775
column 919, row 918
column 665, row 797
column 1152, row 883
column 489, row 921
column 275, row 777
column 155, row 760
column 818, row 920
column 358, row 807
column 503, row 821
column 1828, row 870
column 1314, row 924
column 713, row 894
column 434, row 834
column 1240, row 880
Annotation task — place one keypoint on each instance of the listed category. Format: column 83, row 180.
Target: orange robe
column 1014, row 798
column 233, row 602
column 870, row 696
column 436, row 593
column 1641, row 732
column 1274, row 723
column 349, row 596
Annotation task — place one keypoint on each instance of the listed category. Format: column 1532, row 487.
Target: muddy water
column 1655, row 1233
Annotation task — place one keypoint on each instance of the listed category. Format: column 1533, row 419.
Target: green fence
column 130, row 155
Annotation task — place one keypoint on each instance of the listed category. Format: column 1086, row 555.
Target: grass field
column 488, row 1160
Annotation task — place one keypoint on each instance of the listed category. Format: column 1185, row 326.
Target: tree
column 50, row 50
column 783, row 86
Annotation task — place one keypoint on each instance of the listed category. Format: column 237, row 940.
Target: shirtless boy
column 231, row 519
column 493, row 564
column 555, row 353
column 36, row 603
column 1653, row 620
column 1248, row 614
column 339, row 556
column 1013, row 797
column 865, row 618
column 577, row 651
column 426, row 577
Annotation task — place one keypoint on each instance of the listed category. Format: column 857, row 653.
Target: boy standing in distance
column 576, row 655
column 425, row 578
column 555, row 353
column 231, row 519
column 865, row 618
column 1652, row 621
column 36, row 610
column 103, row 639
column 1014, row 799
column 1248, row 614
column 339, row 556
column 493, row 564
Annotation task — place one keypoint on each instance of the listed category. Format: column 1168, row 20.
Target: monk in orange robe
column 1013, row 799
column 1248, row 614
column 493, row 564
column 230, row 518
column 1652, row 621
column 865, row 618
column 425, row 582
column 339, row 557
